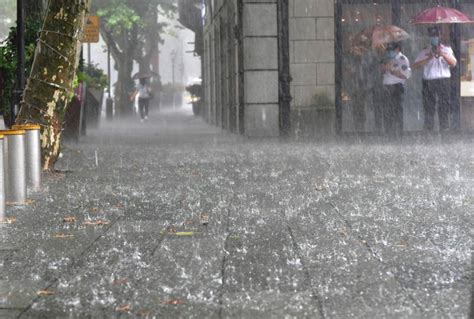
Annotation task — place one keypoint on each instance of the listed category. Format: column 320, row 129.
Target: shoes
column 146, row 118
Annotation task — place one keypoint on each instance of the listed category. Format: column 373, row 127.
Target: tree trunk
column 49, row 86
column 125, row 86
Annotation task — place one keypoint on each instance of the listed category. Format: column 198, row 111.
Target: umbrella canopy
column 377, row 37
column 144, row 75
column 440, row 15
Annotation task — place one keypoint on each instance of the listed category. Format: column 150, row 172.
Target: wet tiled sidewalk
column 176, row 218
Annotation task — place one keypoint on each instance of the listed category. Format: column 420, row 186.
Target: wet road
column 175, row 218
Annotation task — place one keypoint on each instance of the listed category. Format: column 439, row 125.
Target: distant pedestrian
column 436, row 61
column 144, row 97
column 396, row 70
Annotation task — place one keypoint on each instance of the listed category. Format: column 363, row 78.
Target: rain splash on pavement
column 175, row 218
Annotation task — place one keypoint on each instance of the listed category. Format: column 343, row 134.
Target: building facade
column 282, row 67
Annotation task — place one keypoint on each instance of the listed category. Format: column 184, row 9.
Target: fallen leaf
column 8, row 220
column 69, row 219
column 319, row 188
column 143, row 313
column 195, row 173
column 184, row 233
column 96, row 222
column 45, row 293
column 124, row 308
column 63, row 236
column 204, row 219
column 120, row 281
column 94, row 209
column 171, row 229
column 402, row 243
column 342, row 233
column 174, row 302
column 119, row 206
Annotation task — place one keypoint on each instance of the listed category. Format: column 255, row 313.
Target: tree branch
column 109, row 40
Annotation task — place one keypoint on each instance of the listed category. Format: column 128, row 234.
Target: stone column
column 312, row 60
column 260, row 42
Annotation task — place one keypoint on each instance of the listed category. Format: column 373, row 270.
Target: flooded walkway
column 175, row 218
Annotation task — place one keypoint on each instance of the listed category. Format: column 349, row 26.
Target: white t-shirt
column 143, row 91
column 436, row 67
column 399, row 62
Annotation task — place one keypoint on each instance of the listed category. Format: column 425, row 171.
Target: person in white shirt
column 396, row 70
column 436, row 61
column 144, row 95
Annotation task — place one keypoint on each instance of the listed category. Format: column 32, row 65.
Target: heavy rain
column 236, row 159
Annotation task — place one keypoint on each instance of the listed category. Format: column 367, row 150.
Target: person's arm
column 398, row 73
column 448, row 55
column 134, row 95
column 422, row 60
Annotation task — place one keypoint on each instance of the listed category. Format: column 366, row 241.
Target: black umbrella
column 144, row 75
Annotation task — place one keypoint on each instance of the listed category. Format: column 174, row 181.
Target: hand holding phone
column 436, row 50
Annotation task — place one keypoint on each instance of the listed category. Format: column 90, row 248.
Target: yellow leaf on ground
column 45, row 293
column 184, row 233
column 62, row 236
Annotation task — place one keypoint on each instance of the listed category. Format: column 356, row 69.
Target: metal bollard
column 33, row 155
column 14, row 166
column 2, row 183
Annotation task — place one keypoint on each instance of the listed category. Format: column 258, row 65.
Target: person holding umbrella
column 375, row 44
column 396, row 70
column 436, row 61
column 144, row 96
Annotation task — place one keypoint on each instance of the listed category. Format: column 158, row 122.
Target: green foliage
column 8, row 59
column 119, row 16
column 92, row 76
column 322, row 100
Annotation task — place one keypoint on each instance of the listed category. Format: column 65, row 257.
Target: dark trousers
column 143, row 105
column 437, row 89
column 378, row 100
column 393, row 110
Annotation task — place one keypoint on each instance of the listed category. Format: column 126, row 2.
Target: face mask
column 391, row 54
column 434, row 41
